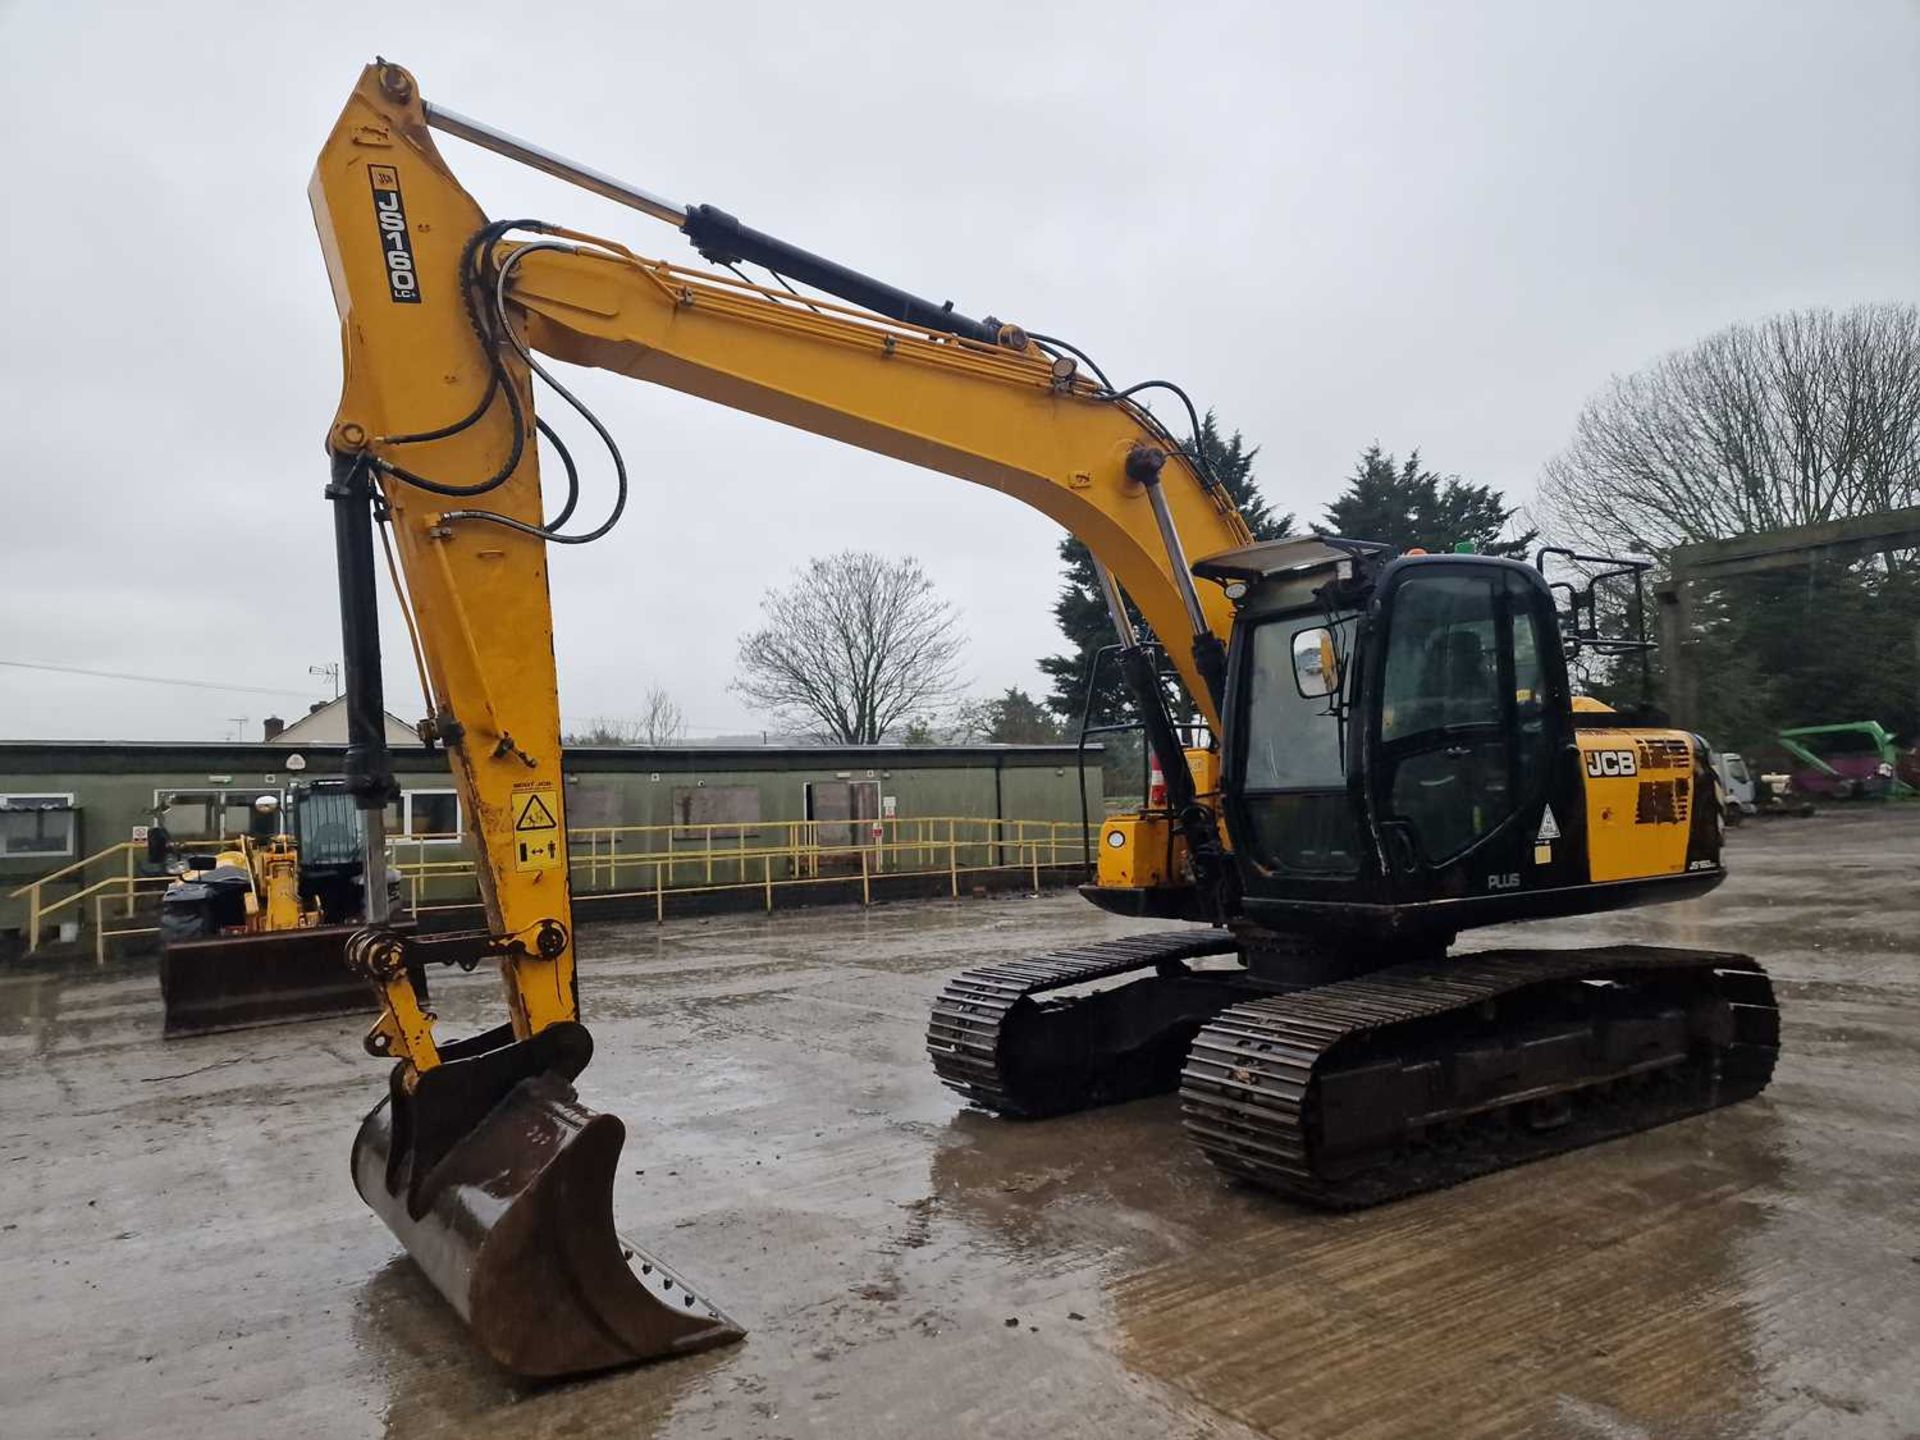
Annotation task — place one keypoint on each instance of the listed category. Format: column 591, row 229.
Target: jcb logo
column 1612, row 762
column 403, row 284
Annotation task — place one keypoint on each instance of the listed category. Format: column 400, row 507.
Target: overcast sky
column 1432, row 226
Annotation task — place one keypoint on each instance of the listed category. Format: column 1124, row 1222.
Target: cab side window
column 1533, row 752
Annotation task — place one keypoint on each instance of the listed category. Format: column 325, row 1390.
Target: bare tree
column 660, row 722
column 1804, row 417
column 856, row 644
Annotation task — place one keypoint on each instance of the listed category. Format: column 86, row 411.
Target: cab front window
column 1295, row 780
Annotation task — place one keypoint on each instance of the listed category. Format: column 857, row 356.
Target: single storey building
column 668, row 818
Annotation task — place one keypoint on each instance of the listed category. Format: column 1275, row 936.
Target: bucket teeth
column 513, row 1223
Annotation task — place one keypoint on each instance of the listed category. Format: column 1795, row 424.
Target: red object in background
column 1851, row 775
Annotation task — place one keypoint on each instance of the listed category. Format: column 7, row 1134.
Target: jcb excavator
column 1393, row 756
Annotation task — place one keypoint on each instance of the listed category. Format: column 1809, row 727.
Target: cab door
column 1463, row 724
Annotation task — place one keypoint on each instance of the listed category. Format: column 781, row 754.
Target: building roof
column 327, row 725
column 62, row 757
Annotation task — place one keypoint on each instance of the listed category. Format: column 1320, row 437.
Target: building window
column 208, row 814
column 40, row 826
column 432, row 814
column 594, row 806
column 716, row 812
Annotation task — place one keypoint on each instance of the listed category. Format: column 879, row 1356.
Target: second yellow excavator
column 1392, row 755
column 253, row 931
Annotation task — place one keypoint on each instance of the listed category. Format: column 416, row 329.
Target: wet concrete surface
column 182, row 1253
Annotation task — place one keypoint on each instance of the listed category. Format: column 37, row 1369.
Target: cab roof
column 1290, row 554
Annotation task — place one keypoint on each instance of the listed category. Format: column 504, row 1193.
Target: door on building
column 844, row 813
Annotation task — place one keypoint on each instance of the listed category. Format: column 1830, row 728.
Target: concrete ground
column 182, row 1254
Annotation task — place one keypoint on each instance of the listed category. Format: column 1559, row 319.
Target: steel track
column 1672, row 1033
column 975, row 1034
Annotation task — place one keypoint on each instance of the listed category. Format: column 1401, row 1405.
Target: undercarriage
column 1345, row 1092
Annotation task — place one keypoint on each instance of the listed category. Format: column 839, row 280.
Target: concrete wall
column 114, row 785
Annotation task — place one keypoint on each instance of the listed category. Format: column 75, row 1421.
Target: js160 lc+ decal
column 403, row 281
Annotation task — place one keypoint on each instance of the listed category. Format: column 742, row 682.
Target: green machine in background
column 1853, row 761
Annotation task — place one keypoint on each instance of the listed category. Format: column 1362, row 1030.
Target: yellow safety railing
column 628, row 862
column 123, row 885
column 122, row 858
column 137, row 887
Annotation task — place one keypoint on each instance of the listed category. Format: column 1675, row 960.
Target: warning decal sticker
column 1549, row 828
column 534, row 814
column 536, row 828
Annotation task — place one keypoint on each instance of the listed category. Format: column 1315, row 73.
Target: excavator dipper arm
column 434, row 442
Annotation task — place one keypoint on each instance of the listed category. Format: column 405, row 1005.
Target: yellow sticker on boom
column 536, row 828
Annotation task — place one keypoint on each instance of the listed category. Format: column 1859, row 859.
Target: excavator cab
column 1404, row 758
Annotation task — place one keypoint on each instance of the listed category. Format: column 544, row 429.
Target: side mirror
column 1316, row 664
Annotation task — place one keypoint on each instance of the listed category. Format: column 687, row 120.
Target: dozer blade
column 499, row 1183
column 235, row 982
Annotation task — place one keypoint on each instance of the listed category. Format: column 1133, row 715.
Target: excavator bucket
column 236, row 982
column 499, row 1183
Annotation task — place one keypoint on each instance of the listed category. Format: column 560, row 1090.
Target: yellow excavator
column 252, row 931
column 1391, row 756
